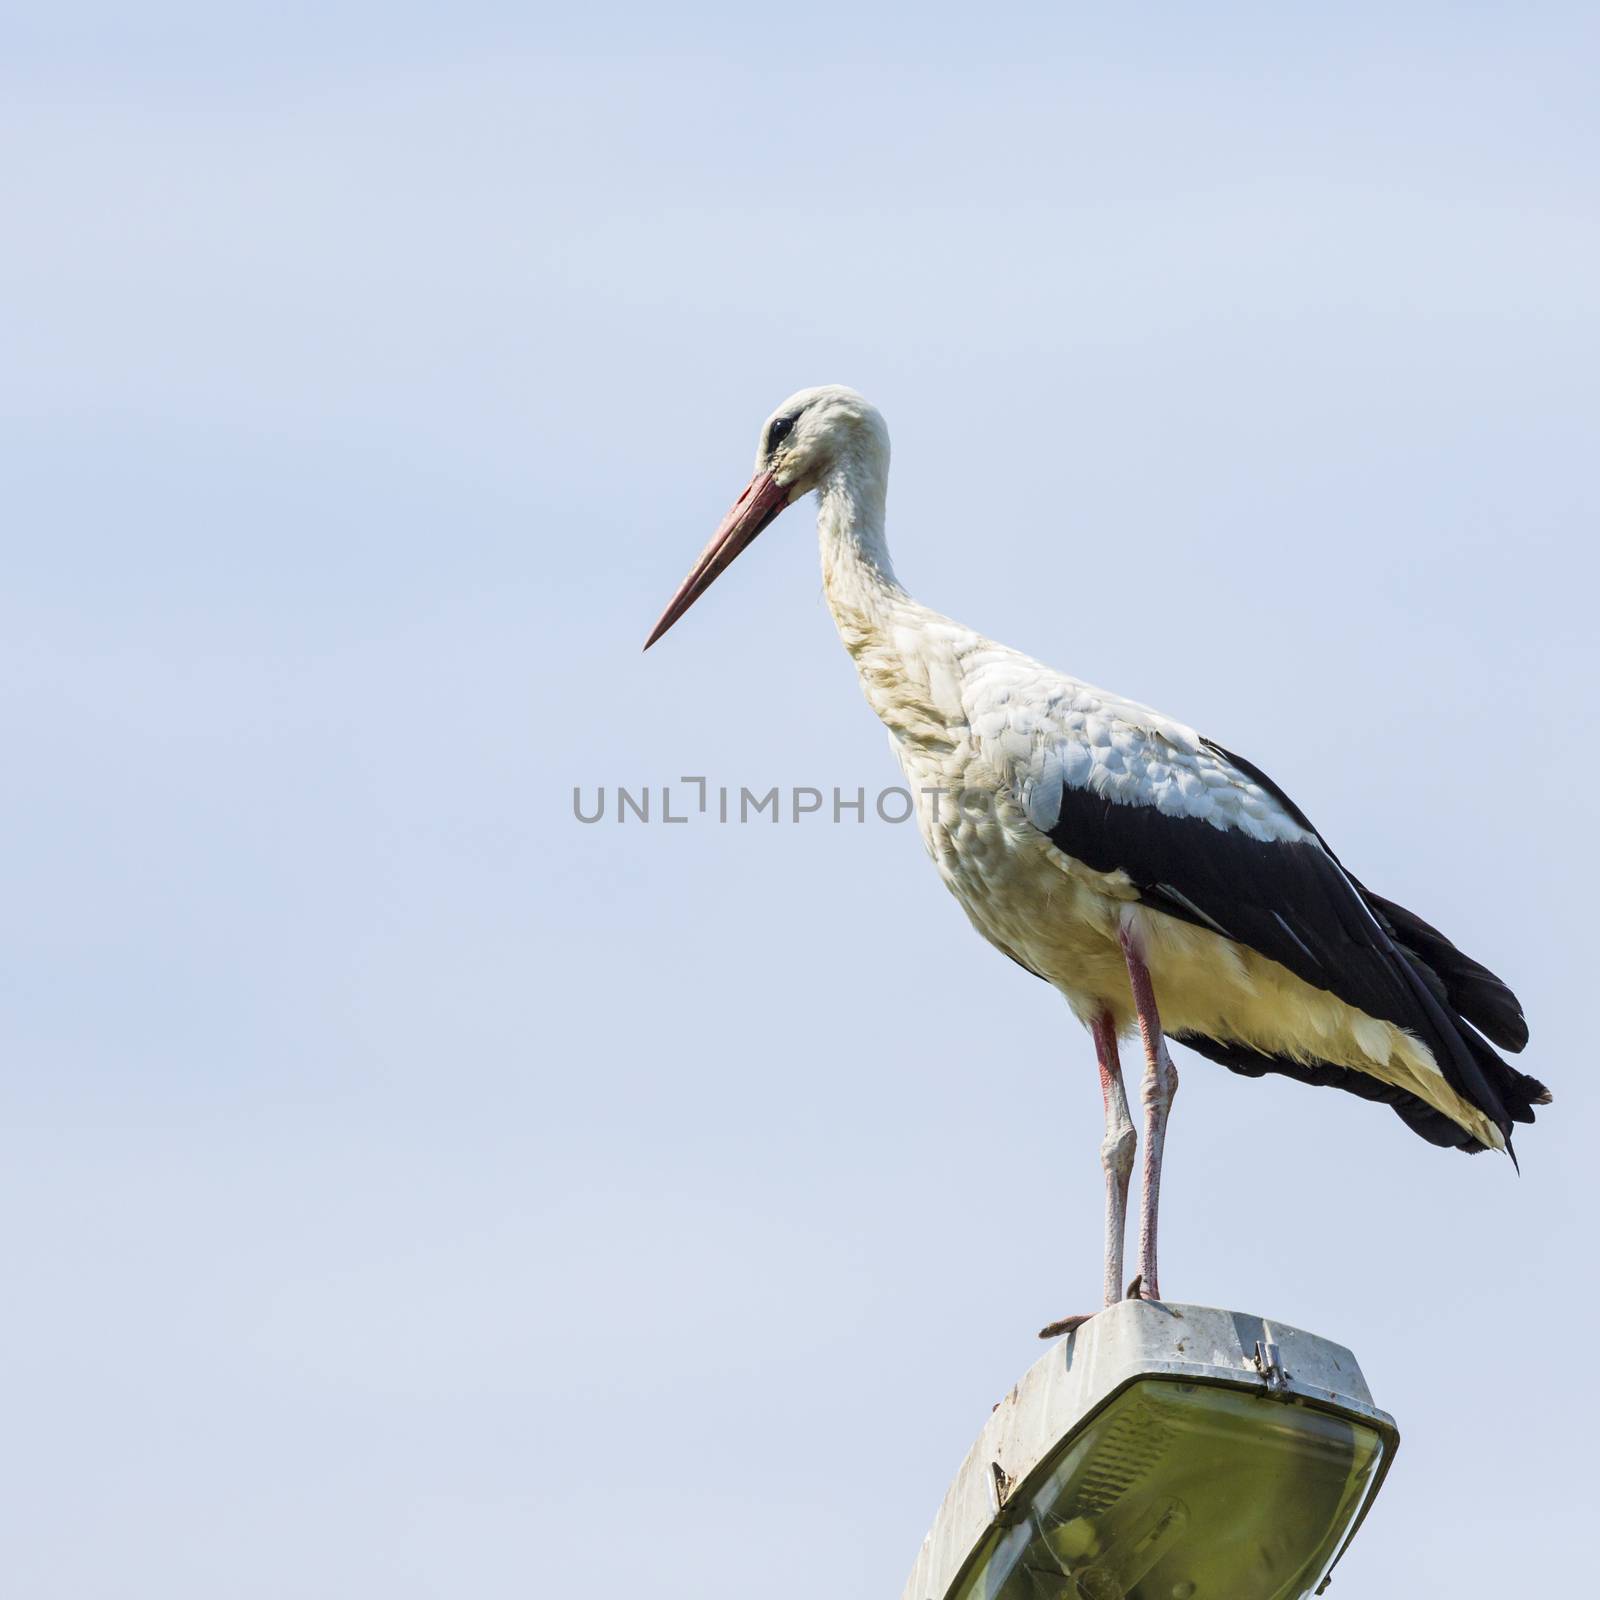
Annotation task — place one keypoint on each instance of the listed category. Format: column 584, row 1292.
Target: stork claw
column 1134, row 1289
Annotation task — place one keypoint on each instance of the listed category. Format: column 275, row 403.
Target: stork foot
column 1054, row 1330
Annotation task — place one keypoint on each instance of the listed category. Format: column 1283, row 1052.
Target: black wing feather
column 1295, row 904
column 1483, row 999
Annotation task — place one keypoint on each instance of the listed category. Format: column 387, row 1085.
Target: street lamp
column 1164, row 1452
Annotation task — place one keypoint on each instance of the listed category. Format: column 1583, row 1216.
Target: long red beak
column 762, row 500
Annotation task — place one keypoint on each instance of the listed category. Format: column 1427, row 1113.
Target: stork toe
column 1054, row 1330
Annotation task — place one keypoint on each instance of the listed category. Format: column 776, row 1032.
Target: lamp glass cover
column 1182, row 1491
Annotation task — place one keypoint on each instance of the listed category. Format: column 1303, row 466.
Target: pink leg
column 1116, row 1150
column 1159, row 1086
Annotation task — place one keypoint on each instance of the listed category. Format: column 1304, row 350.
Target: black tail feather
column 1470, row 987
column 1516, row 1091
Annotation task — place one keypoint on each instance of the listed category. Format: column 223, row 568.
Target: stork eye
column 779, row 431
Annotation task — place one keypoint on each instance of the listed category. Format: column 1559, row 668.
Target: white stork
column 1148, row 874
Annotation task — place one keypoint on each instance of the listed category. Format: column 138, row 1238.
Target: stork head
column 811, row 435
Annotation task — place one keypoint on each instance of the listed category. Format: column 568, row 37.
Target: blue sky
column 412, row 1191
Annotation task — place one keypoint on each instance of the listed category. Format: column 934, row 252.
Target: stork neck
column 897, row 656
column 856, row 571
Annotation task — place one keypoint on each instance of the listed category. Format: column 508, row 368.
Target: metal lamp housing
column 1164, row 1452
